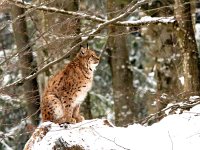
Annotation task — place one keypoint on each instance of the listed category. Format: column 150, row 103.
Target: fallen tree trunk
column 67, row 136
column 177, row 131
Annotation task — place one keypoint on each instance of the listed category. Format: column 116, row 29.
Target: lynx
column 68, row 88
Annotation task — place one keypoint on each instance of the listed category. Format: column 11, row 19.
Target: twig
column 185, row 106
column 171, row 140
column 154, row 20
column 110, row 140
column 30, row 43
column 89, row 36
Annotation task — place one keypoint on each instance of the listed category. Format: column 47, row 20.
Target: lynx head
column 88, row 58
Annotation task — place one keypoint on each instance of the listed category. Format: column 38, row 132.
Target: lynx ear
column 83, row 50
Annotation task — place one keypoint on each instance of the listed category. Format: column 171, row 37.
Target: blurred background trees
column 143, row 67
column 123, row 91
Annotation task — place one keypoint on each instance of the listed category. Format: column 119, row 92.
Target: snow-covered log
column 68, row 136
column 174, row 132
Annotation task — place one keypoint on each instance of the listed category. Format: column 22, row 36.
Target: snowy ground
column 175, row 132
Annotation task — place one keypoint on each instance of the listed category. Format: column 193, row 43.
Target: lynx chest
column 82, row 92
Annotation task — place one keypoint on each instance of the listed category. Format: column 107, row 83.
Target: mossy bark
column 187, row 42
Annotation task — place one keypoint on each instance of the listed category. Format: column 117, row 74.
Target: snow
column 181, row 80
column 168, row 109
column 150, row 20
column 197, row 29
column 174, row 132
column 6, row 147
column 164, row 19
column 6, row 79
column 194, row 98
column 8, row 98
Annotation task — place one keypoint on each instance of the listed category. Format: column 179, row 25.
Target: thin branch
column 184, row 106
column 171, row 140
column 149, row 20
column 89, row 36
column 109, row 139
column 2, row 26
column 154, row 20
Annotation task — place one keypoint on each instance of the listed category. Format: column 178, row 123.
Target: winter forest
column 146, row 87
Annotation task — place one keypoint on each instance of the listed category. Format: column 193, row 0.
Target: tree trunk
column 86, row 108
column 58, row 27
column 164, row 47
column 30, row 88
column 122, row 77
column 188, row 46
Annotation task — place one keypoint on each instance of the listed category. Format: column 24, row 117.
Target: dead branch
column 91, row 126
column 90, row 35
column 154, row 20
column 174, row 107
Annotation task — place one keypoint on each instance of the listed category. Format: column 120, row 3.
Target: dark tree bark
column 163, row 49
column 30, row 88
column 187, row 42
column 86, row 108
column 122, row 77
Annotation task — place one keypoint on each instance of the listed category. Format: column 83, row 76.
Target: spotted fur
column 68, row 88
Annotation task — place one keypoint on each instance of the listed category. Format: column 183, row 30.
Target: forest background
column 150, row 58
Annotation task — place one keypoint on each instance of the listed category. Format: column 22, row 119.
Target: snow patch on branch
column 149, row 20
column 162, row 19
column 181, row 79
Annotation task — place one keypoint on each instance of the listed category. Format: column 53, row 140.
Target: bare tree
column 27, row 67
column 122, row 77
column 187, row 42
column 165, row 46
column 53, row 29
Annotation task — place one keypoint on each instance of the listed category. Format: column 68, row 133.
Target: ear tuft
column 83, row 50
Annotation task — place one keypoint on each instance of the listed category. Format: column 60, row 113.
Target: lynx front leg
column 76, row 114
column 68, row 111
column 67, row 118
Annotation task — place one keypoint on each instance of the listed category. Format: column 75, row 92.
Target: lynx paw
column 79, row 119
column 66, row 120
column 71, row 120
